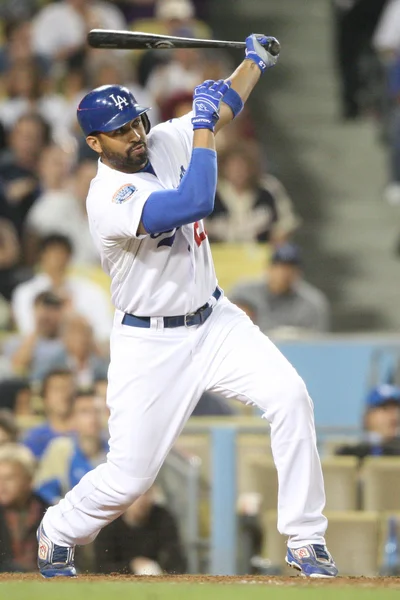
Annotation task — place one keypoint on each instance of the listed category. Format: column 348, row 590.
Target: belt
column 198, row 317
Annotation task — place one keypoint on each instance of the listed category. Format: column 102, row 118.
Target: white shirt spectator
column 52, row 107
column 59, row 27
column 387, row 33
column 166, row 80
column 58, row 211
column 88, row 299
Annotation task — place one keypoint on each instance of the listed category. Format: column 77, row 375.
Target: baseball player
column 175, row 334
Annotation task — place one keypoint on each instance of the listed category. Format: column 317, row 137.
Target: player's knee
column 287, row 401
column 126, row 487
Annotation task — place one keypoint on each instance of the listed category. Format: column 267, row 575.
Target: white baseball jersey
column 167, row 274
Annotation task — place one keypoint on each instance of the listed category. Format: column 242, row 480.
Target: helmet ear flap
column 146, row 122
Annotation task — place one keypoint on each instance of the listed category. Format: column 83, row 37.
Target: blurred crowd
column 55, row 312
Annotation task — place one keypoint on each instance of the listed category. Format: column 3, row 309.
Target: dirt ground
column 360, row 582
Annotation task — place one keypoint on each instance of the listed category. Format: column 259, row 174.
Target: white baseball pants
column 156, row 377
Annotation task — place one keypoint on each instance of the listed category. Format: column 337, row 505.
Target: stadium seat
column 353, row 538
column 380, row 478
column 262, row 479
column 341, row 482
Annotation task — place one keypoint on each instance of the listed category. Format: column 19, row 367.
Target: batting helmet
column 109, row 107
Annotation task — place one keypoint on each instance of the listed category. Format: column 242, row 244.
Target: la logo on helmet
column 119, row 101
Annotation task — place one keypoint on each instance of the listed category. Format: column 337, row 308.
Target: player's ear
column 94, row 143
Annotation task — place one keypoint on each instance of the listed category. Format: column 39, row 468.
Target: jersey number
column 199, row 236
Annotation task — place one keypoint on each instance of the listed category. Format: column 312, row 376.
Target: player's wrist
column 234, row 101
column 203, row 122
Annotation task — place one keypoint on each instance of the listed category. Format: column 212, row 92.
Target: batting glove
column 206, row 103
column 256, row 52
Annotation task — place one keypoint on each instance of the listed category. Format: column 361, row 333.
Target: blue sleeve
column 50, row 491
column 191, row 201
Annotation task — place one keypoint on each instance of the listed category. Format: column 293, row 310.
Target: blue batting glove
column 206, row 103
column 256, row 52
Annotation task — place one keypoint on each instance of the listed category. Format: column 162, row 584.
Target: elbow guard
column 191, row 201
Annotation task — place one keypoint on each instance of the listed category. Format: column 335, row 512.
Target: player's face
column 124, row 149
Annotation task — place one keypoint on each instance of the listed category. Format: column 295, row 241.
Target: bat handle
column 273, row 47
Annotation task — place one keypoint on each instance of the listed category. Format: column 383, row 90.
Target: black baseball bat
column 137, row 40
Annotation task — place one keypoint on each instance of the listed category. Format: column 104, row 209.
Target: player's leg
column 248, row 366
column 153, row 388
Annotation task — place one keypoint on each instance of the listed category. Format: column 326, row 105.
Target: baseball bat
column 137, row 40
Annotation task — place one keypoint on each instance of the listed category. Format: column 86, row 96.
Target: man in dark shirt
column 143, row 541
column 18, row 168
column 283, row 300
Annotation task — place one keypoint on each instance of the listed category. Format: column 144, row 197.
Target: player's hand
column 256, row 52
column 206, row 102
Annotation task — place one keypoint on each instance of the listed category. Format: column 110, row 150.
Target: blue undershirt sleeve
column 191, row 201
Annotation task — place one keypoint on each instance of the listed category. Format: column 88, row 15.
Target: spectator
column 28, row 91
column 174, row 17
column 249, row 207
column 21, row 511
column 387, row 43
column 8, row 427
column 284, row 300
column 176, row 106
column 79, row 354
column 16, row 396
column 32, row 354
column 182, row 73
column 67, row 460
column 79, row 294
column 18, row 45
column 10, row 252
column 59, row 29
column 57, row 393
column 61, row 208
column 355, row 21
column 143, row 541
column 18, row 168
column 381, row 425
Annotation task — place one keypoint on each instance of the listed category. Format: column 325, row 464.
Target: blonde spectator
column 20, row 509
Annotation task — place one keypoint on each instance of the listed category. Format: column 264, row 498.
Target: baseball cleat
column 54, row 560
column 313, row 560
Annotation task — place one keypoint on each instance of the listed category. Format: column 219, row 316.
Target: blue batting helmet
column 109, row 107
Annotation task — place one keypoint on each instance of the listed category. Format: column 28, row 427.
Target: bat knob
column 273, row 47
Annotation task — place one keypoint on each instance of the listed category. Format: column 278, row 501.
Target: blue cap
column 107, row 108
column 288, row 254
column 381, row 394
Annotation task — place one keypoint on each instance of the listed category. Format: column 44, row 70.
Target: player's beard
column 130, row 162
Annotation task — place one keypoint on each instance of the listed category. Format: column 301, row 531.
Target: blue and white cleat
column 53, row 560
column 313, row 560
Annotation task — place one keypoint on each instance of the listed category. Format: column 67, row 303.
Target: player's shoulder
column 112, row 186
